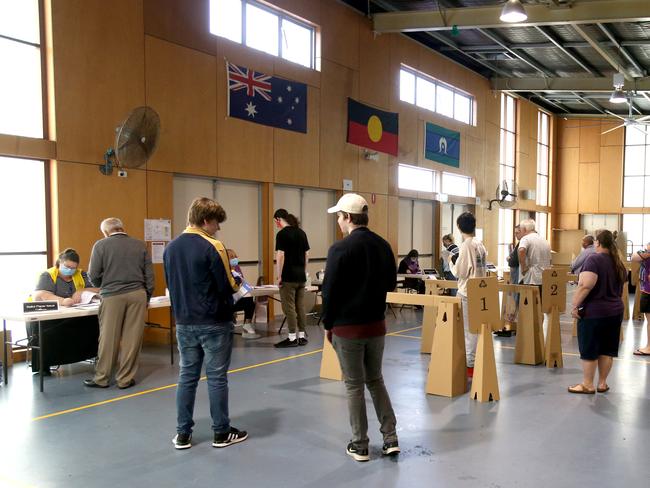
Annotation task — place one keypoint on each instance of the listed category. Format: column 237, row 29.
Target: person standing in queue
column 291, row 257
column 360, row 271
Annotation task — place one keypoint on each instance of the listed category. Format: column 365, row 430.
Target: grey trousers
column 360, row 361
column 292, row 296
column 121, row 326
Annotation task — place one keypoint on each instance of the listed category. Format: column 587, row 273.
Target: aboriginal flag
column 372, row 128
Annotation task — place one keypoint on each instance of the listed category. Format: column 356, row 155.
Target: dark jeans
column 214, row 343
column 360, row 361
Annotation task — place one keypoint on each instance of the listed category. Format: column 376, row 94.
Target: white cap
column 350, row 203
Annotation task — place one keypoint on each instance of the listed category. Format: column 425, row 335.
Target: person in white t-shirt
column 469, row 264
column 534, row 254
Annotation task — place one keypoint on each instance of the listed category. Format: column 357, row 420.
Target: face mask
column 65, row 271
column 234, row 261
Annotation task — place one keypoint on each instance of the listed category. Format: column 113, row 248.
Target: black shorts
column 599, row 337
column 644, row 304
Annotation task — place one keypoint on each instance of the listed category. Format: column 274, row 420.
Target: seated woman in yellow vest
column 67, row 340
column 64, row 282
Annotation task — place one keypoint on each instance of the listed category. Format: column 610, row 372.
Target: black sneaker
column 360, row 455
column 390, row 448
column 182, row 441
column 229, row 438
column 302, row 341
column 287, row 343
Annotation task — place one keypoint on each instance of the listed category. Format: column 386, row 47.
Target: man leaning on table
column 121, row 267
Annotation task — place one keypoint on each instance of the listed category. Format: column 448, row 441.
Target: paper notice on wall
column 157, row 230
column 157, row 250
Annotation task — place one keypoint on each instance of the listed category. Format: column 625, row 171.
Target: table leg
column 5, row 369
column 40, row 353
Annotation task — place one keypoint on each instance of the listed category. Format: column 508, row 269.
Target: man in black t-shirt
column 291, row 256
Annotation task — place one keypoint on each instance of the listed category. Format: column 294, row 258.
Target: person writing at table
column 410, row 265
column 64, row 282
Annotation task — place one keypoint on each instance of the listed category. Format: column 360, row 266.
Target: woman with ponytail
column 291, row 257
column 598, row 307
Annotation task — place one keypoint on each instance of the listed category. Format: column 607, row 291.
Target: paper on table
column 88, row 297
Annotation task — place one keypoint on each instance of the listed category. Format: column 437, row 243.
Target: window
column 637, row 228
column 431, row 94
column 264, row 28
column 21, row 85
column 636, row 180
column 418, row 179
column 541, row 224
column 454, row 184
column 542, row 157
column 23, row 181
column 506, row 172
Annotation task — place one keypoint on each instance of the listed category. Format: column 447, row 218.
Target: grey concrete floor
column 536, row 435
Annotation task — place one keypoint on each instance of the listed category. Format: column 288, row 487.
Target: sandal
column 603, row 390
column 639, row 352
column 581, row 389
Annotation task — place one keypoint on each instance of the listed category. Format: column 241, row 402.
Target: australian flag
column 266, row 99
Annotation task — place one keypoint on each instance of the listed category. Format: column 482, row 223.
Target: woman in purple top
column 598, row 307
column 410, row 265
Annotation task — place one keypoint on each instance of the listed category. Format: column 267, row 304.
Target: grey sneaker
column 360, row 455
column 250, row 335
column 182, row 441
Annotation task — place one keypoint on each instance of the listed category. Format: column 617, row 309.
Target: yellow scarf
column 221, row 250
column 77, row 279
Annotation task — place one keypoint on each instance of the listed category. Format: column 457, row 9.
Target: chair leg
column 282, row 325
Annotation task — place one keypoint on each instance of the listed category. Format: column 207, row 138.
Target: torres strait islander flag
column 372, row 128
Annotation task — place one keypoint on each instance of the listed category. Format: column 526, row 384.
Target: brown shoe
column 581, row 389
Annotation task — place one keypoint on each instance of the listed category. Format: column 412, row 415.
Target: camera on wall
column 122, row 173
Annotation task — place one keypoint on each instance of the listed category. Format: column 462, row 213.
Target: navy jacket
column 198, row 286
column 360, row 271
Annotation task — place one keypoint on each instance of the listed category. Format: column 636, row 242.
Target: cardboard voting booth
column 484, row 317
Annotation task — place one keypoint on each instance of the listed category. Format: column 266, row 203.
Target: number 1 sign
column 483, row 302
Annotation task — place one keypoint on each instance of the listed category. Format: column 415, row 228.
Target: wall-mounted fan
column 135, row 141
column 506, row 194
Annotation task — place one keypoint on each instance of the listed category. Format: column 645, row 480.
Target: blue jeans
column 214, row 343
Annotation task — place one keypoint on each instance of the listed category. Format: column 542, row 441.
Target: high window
column 453, row 184
column 264, row 28
column 21, row 85
column 636, row 181
column 637, row 228
column 426, row 92
column 418, row 179
column 543, row 144
column 506, row 171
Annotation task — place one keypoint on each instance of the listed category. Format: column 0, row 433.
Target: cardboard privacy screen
column 483, row 302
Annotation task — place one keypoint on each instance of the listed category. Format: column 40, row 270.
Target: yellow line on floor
column 166, row 387
column 405, row 335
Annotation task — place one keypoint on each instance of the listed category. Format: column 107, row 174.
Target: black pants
column 66, row 341
column 247, row 304
column 415, row 284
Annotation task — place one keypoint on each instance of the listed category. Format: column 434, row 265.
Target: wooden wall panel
column 410, row 131
column 373, row 175
column 614, row 138
column 183, row 22
column 296, row 154
column 27, row 147
column 567, row 221
column 568, row 133
column 86, row 197
column 98, row 73
column 182, row 87
column 338, row 159
column 567, row 180
column 378, row 214
column 588, row 184
column 611, row 179
column 375, row 66
column 340, row 34
column 589, row 141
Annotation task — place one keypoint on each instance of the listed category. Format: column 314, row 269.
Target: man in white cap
column 360, row 271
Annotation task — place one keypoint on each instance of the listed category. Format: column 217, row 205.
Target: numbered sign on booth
column 483, row 301
column 554, row 289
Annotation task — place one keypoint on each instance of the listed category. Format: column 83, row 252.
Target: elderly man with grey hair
column 587, row 250
column 534, row 254
column 121, row 267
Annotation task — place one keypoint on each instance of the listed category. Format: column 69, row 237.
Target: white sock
column 292, row 336
column 301, row 334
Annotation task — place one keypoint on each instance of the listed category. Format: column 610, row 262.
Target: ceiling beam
column 604, row 54
column 536, row 84
column 603, row 11
column 622, row 50
column 574, row 57
column 521, row 56
column 546, row 45
column 591, row 102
